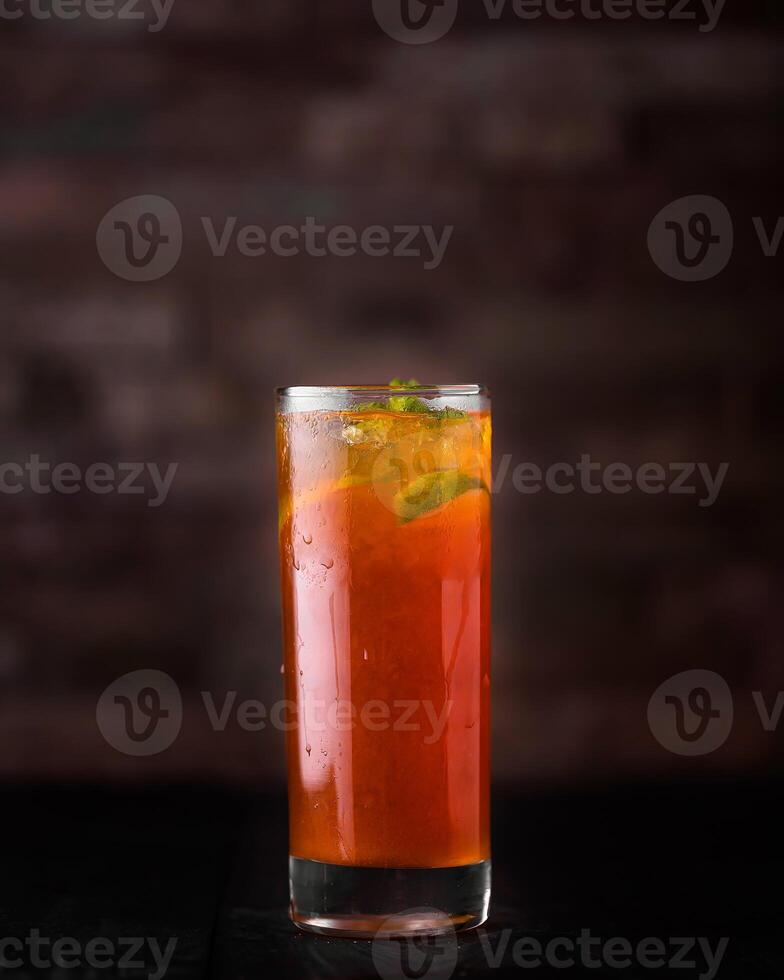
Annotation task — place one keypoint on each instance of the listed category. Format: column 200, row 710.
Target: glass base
column 337, row 900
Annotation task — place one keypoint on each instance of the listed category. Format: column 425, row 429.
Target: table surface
column 208, row 867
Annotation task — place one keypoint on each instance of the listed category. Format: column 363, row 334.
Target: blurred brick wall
column 549, row 148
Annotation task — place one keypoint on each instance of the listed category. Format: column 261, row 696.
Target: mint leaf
column 409, row 404
column 432, row 490
column 372, row 407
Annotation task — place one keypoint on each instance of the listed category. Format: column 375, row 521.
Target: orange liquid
column 387, row 638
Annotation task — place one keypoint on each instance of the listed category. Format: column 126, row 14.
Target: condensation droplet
column 307, row 538
column 308, row 748
column 328, row 563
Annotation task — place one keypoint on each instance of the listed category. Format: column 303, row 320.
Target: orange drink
column 385, row 567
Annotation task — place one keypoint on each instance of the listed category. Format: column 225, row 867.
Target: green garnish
column 371, row 407
column 432, row 490
column 409, row 404
column 450, row 413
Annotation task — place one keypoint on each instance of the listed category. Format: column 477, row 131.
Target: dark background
column 549, row 146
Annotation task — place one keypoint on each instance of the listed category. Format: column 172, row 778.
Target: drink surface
column 385, row 564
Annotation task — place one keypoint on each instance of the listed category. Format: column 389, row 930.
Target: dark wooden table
column 208, row 867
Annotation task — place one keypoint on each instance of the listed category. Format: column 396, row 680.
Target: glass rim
column 435, row 391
